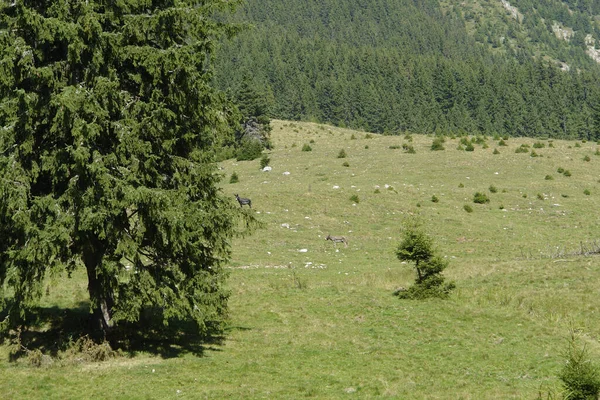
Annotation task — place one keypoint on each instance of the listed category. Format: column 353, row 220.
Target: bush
column 248, row 150
column 435, row 199
column 538, row 145
column 548, row 177
column 560, row 170
column 480, row 198
column 493, row 189
column 522, row 149
column 587, row 192
column 438, row 144
column 586, row 158
column 368, row 136
column 468, row 208
column 234, row 178
column 502, row 143
column 417, row 247
column 534, row 154
column 580, row 377
column 394, row 147
column 567, row 173
column 353, row 137
column 540, row 196
column 354, row 198
column 342, row 154
column 345, row 164
column 264, row 161
column 469, row 147
column 306, row 147
column 408, row 148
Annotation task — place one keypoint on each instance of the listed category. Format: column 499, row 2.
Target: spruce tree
column 108, row 128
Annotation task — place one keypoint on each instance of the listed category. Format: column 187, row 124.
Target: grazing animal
column 337, row 239
column 243, row 201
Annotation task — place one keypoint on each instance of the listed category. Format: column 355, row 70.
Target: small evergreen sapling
column 417, row 247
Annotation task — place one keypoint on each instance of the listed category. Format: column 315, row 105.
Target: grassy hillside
column 309, row 319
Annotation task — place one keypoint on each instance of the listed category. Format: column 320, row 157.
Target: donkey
column 243, row 201
column 337, row 239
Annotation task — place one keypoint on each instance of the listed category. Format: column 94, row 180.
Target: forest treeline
column 391, row 66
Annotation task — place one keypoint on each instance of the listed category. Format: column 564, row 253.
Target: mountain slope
column 392, row 66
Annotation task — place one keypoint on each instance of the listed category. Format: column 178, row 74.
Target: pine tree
column 108, row 131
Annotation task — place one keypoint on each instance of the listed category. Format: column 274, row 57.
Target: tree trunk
column 419, row 275
column 100, row 291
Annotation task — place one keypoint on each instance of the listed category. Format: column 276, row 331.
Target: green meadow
column 309, row 318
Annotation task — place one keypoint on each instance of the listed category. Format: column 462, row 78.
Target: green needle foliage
column 108, row 134
column 580, row 376
column 417, row 247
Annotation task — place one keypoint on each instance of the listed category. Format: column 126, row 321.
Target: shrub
column 408, row 137
column 493, row 189
column 417, row 247
column 408, row 148
column 368, row 136
column 377, row 191
column 249, row 150
column 345, row 164
column 522, row 149
column 394, row 147
column 551, row 144
column 264, row 161
column 485, row 146
column 353, row 137
column 597, row 153
column 469, row 147
column 480, row 198
column 234, row 178
column 540, row 196
column 342, row 154
column 567, row 173
column 577, row 144
column 586, row 158
column 460, row 185
column 502, row 143
column 366, row 146
column 538, row 145
column 306, row 147
column 311, row 141
column 479, row 140
column 587, row 192
column 560, row 170
column 580, row 377
column 468, row 208
column 354, row 198
column 501, row 207
column 548, row 177
column 437, row 144
column 534, row 154
column 435, row 199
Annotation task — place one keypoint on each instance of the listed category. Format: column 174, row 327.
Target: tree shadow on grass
column 54, row 331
